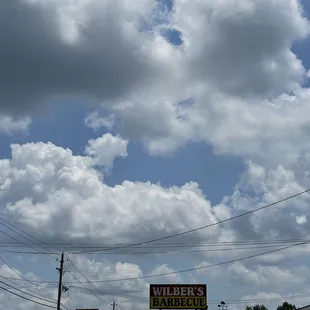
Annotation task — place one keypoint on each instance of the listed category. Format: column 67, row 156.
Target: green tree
column 286, row 306
column 256, row 307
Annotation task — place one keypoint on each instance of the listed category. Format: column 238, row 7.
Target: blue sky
column 261, row 142
column 62, row 123
column 207, row 169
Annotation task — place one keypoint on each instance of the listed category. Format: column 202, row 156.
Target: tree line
column 284, row 306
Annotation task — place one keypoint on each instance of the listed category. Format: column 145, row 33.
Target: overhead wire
column 88, row 289
column 26, row 298
column 167, row 248
column 184, row 251
column 205, row 266
column 21, row 243
column 6, row 234
column 176, row 244
column 190, row 269
column 21, row 233
column 89, row 282
column 21, row 291
column 22, row 278
column 46, row 298
column 200, row 228
column 16, row 272
column 209, row 225
column 228, row 301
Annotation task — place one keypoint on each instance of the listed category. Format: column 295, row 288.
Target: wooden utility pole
column 60, row 280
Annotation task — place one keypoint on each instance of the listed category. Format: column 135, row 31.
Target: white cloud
column 272, row 132
column 259, row 187
column 9, row 125
column 170, row 278
column 93, row 48
column 266, row 128
column 243, row 47
column 301, row 219
column 83, row 294
column 245, row 83
column 268, row 276
column 43, row 184
column 235, row 57
column 121, row 291
column 105, row 149
column 39, row 293
column 95, row 121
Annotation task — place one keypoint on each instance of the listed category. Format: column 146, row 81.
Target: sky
column 144, row 139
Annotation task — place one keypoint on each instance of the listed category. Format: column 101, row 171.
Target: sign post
column 178, row 296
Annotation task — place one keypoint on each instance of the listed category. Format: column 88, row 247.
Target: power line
column 88, row 281
column 184, row 270
column 176, row 244
column 2, row 256
column 85, row 287
column 73, row 301
column 88, row 289
column 209, row 225
column 40, row 283
column 183, row 251
column 23, row 297
column 46, row 298
column 215, row 246
column 21, row 231
column 31, row 295
column 190, row 269
column 16, row 272
column 26, row 252
column 22, row 278
column 203, row 267
column 6, row 234
column 144, row 298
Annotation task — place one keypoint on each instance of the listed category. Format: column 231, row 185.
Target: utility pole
column 113, row 305
column 60, row 280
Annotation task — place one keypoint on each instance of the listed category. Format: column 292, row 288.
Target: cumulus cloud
column 234, row 83
column 265, row 276
column 235, row 64
column 259, row 187
column 271, row 132
column 43, row 184
column 80, row 294
column 132, row 294
column 89, row 47
column 14, row 280
column 241, row 85
column 96, row 121
column 9, row 125
column 170, row 278
column 244, row 46
column 105, row 149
